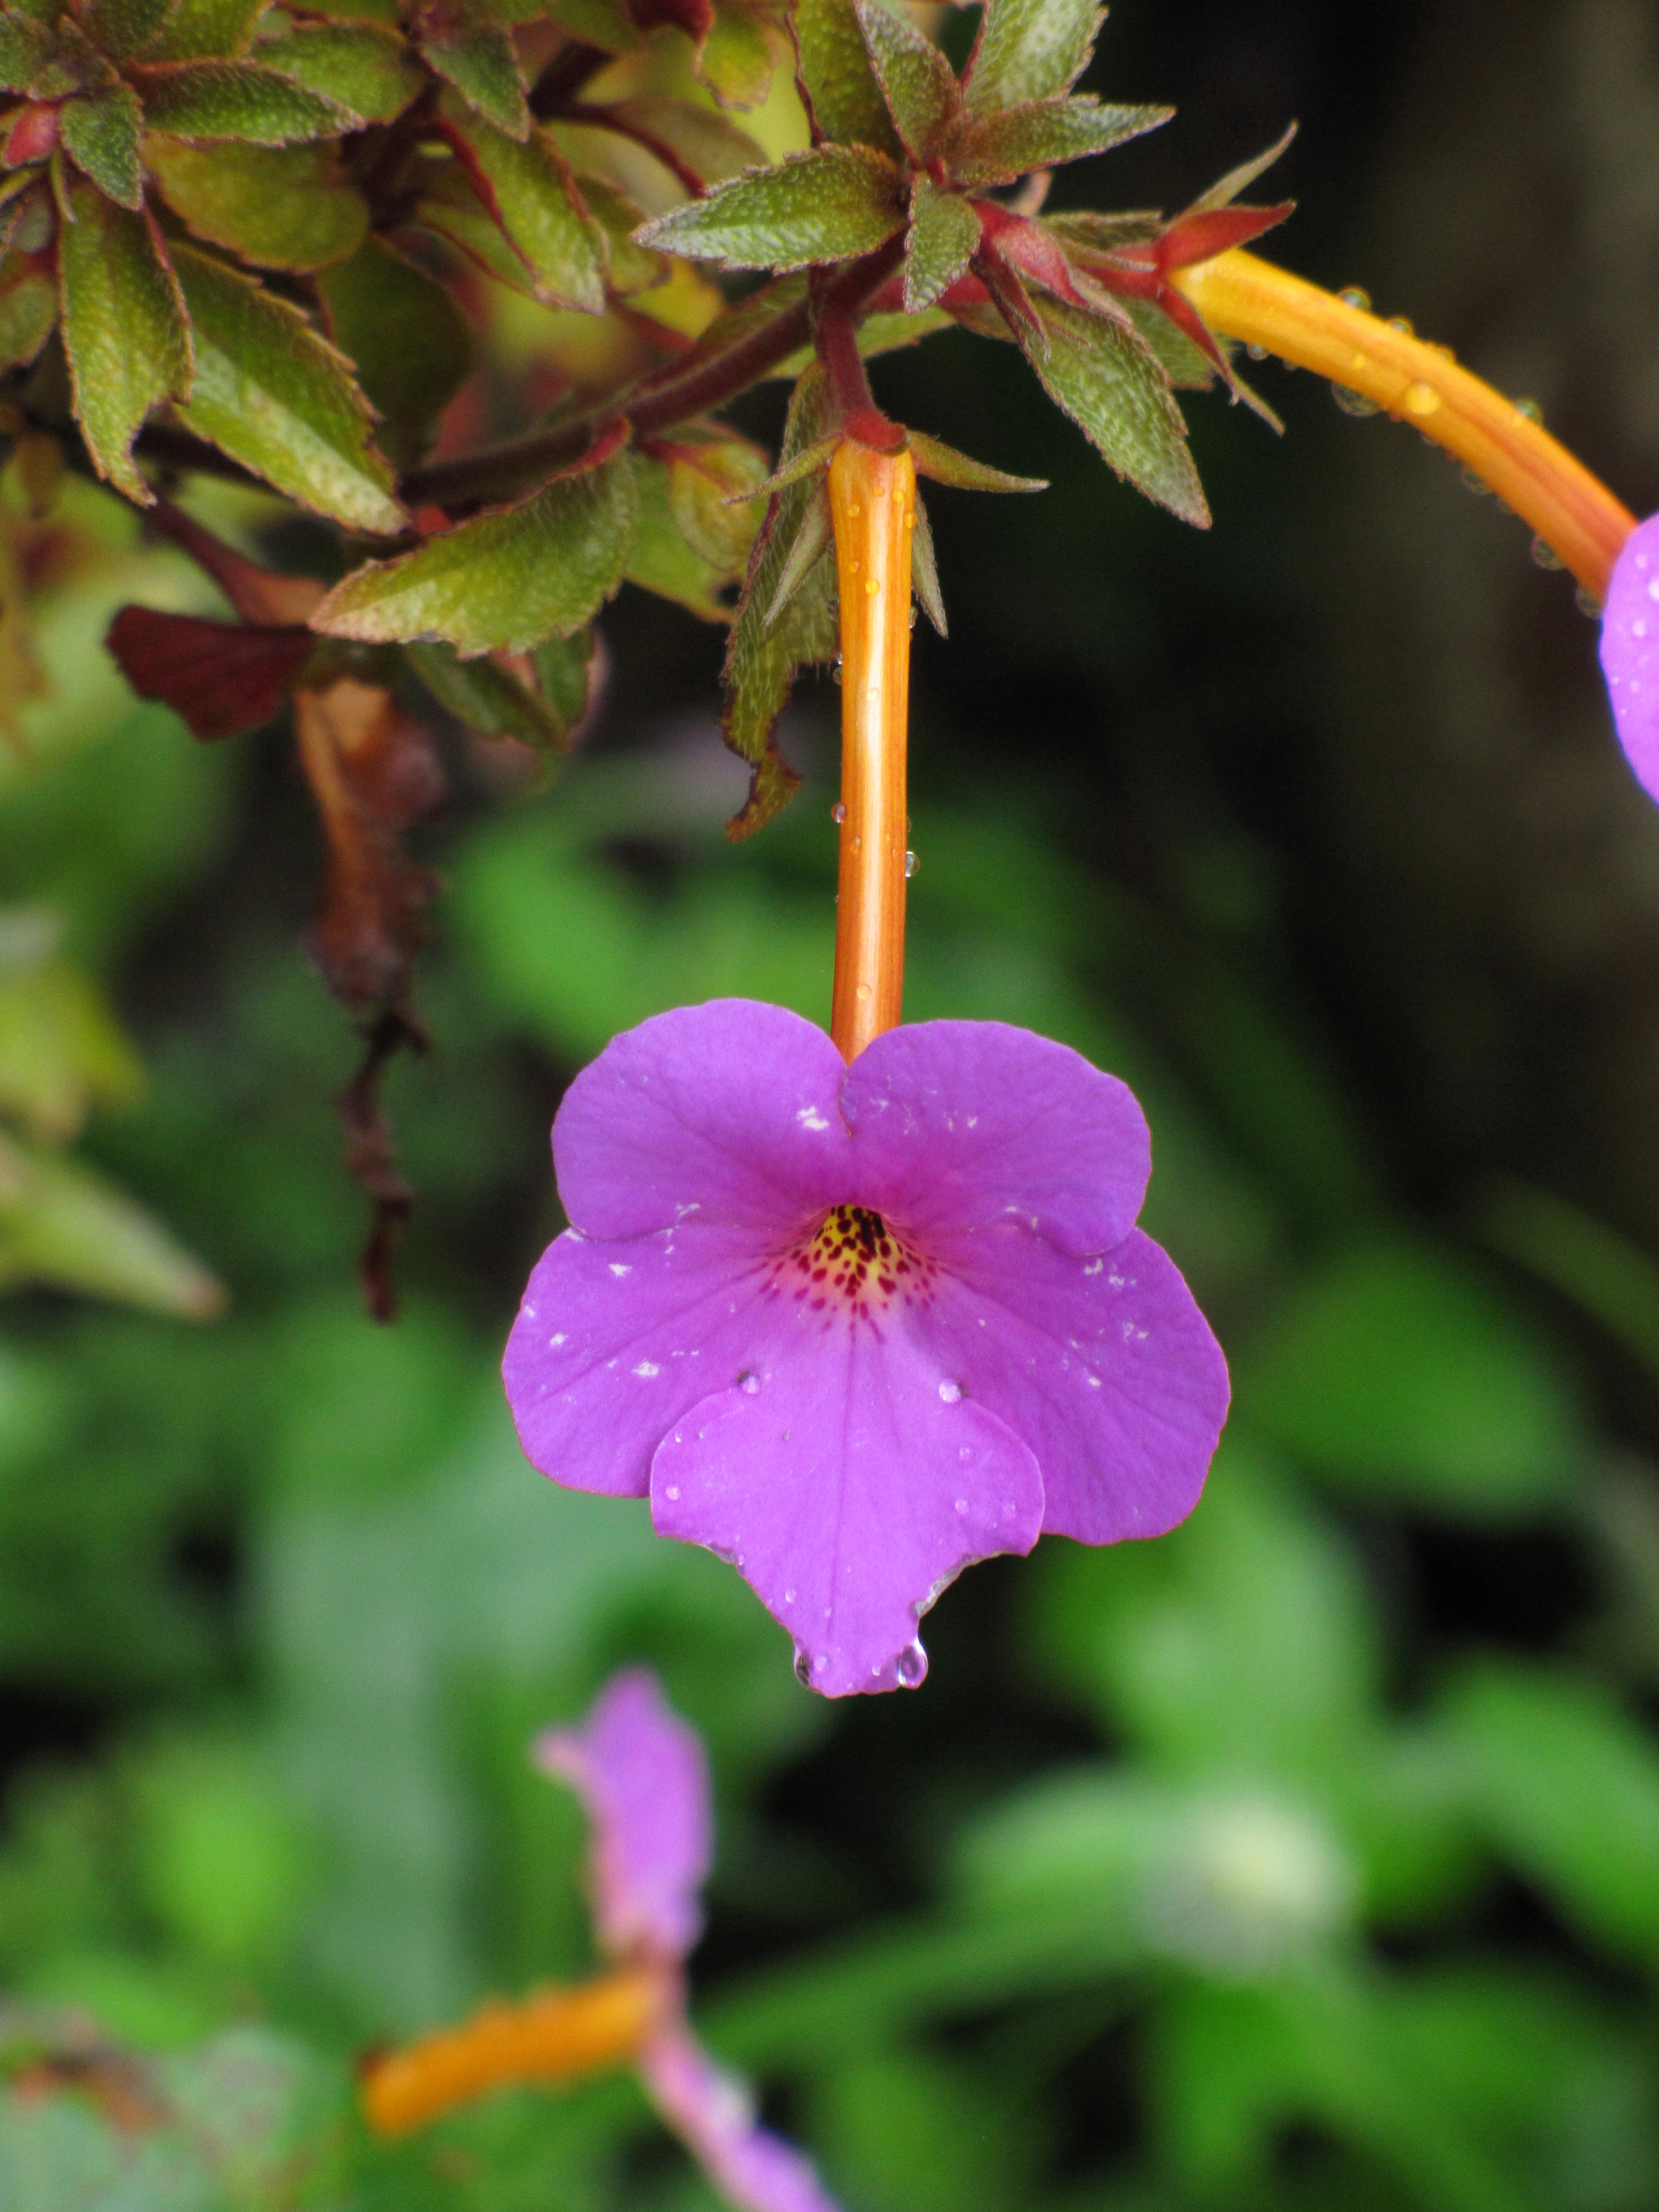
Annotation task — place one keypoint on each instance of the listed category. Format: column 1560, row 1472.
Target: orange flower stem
column 1574, row 513
column 552, row 2037
column 873, row 498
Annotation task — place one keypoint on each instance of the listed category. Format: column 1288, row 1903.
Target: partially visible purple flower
column 642, row 1775
column 1629, row 650
column 856, row 1328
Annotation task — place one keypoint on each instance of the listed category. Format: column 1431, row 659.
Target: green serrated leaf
column 802, row 552
column 1108, row 381
column 1226, row 190
column 943, row 237
column 503, row 580
column 918, row 84
column 763, row 656
column 411, row 343
column 1030, row 50
column 532, row 194
column 836, row 81
column 711, row 146
column 827, row 205
column 277, row 398
column 486, row 697
column 605, row 24
column 72, row 65
column 101, row 136
column 739, row 54
column 28, row 310
column 811, row 461
column 125, row 331
column 630, row 268
column 944, row 464
column 1182, row 361
column 242, row 101
column 924, row 571
column 1094, row 233
column 120, row 28
column 451, row 207
column 564, row 676
column 206, row 30
column 25, row 47
column 282, row 207
column 661, row 561
column 996, row 149
column 482, row 63
column 714, row 487
column 62, row 1223
column 364, row 66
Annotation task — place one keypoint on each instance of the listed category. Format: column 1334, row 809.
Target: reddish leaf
column 259, row 595
column 33, row 135
column 695, row 17
column 222, row 677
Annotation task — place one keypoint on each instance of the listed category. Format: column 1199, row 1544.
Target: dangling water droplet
column 1546, row 556
column 803, row 1668
column 1354, row 402
column 834, row 671
column 1588, row 603
column 748, row 1384
column 949, row 1391
column 912, row 1665
column 1256, row 352
column 911, row 863
column 914, row 611
column 1531, row 409
column 838, row 812
column 1354, row 297
column 1476, row 484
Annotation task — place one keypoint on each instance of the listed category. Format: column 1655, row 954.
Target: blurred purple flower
column 855, row 1327
column 642, row 1775
column 1629, row 650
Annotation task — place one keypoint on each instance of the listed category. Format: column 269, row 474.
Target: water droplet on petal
column 803, row 1668
column 911, row 863
column 962, row 1505
column 950, row 1392
column 748, row 1384
column 838, row 812
column 912, row 1665
column 1545, row 556
column 1354, row 403
column 789, row 1597
column 672, row 1493
column 1354, row 297
column 966, row 1453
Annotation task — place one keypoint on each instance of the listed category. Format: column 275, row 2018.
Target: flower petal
column 1104, row 1366
column 726, row 1110
column 848, row 1484
column 614, row 1341
column 1629, row 650
column 957, row 1125
column 713, row 2116
column 641, row 1772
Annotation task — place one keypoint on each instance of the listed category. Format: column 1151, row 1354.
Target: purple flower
column 1629, row 650
column 854, row 1327
column 641, row 1773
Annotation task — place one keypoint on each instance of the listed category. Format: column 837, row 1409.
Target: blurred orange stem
column 554, row 2036
column 873, row 498
column 1575, row 515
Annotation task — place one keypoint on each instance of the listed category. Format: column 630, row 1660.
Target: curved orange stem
column 873, row 498
column 554, row 2036
column 1573, row 512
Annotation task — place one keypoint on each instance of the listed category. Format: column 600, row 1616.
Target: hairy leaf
column 629, row 268
column 1030, row 50
column 1180, row 360
column 711, row 146
column 804, row 552
column 479, row 59
column 29, row 312
column 206, row 30
column 1094, row 233
column 364, row 66
column 505, row 579
column 1108, row 381
column 565, row 669
column 827, row 205
column 661, row 561
column 740, row 51
column 532, row 195
column 714, row 485
column 277, row 398
column 221, row 678
column 924, row 572
column 836, row 80
column 240, row 100
column 996, row 149
column 120, row 28
column 125, row 331
column 917, row 83
column 411, row 343
column 762, row 656
column 101, row 136
column 62, row 1223
column 26, row 48
column 486, row 697
column 944, row 464
column 944, row 234
column 811, row 461
column 282, row 207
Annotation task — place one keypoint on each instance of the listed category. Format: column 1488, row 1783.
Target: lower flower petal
column 1104, row 1366
column 713, row 2116
column 615, row 1341
column 848, row 1485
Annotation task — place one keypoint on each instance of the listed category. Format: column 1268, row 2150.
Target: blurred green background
column 1309, row 1858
